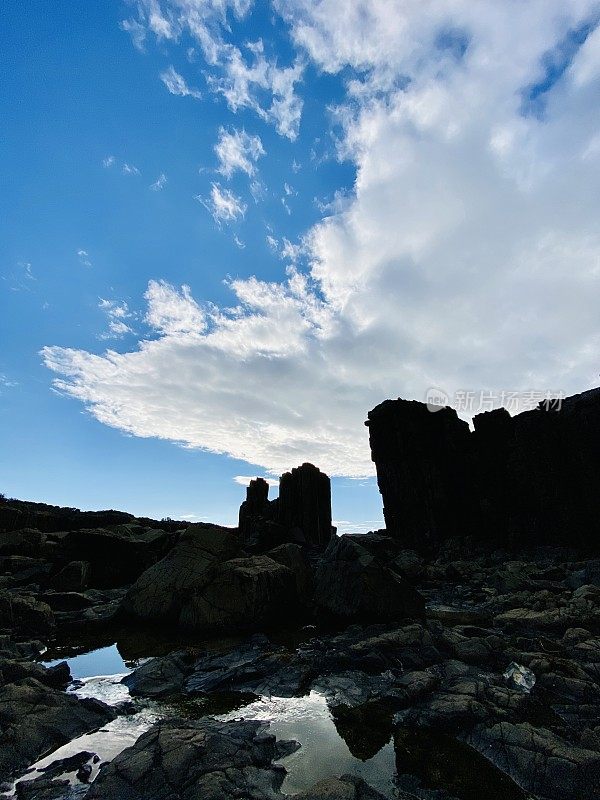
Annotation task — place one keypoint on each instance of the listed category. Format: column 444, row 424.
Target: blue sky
column 362, row 206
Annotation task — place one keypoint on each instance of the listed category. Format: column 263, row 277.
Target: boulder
column 293, row 557
column 539, row 760
column 26, row 542
column 36, row 719
column 356, row 581
column 24, row 614
column 73, row 577
column 161, row 676
column 255, row 666
column 181, row 759
column 200, row 586
column 244, row 594
column 117, row 555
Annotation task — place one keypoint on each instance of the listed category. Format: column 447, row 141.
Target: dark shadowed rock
column 118, row 555
column 160, row 677
column 201, row 586
column 256, row 666
column 292, row 556
column 428, row 759
column 539, row 760
column 162, row 592
column 36, row 719
column 26, row 542
column 73, row 577
column 25, row 614
column 528, row 479
column 43, row 788
column 181, row 759
column 355, row 580
column 301, row 514
column 305, row 504
column 424, row 471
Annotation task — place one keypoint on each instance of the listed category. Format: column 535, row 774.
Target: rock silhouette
column 534, row 477
column 301, row 513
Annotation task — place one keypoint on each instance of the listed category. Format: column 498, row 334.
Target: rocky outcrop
column 301, row 514
column 183, row 759
column 202, row 585
column 35, row 719
column 305, row 504
column 356, row 581
column 529, row 479
column 116, row 556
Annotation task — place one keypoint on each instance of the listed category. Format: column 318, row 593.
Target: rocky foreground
column 478, row 659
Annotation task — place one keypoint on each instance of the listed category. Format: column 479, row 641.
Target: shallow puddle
column 324, row 753
column 103, row 661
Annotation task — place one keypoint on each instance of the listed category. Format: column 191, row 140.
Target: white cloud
column 117, row 314
column 159, row 183
column 238, row 150
column 173, row 313
column 224, row 205
column 7, row 383
column 466, row 257
column 176, row 84
column 242, row 83
column 239, row 243
column 84, row 258
column 345, row 526
column 256, row 82
column 108, row 161
column 129, row 169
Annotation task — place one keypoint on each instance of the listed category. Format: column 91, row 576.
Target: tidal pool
column 103, row 661
column 324, row 753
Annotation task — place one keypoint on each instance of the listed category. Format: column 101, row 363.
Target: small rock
column 519, row 677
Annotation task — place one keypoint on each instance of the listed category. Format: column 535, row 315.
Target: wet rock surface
column 184, row 759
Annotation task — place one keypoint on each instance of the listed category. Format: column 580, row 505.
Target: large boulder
column 182, row 759
column 26, row 542
column 36, row 719
column 202, row 586
column 24, row 614
column 356, row 581
column 116, row 556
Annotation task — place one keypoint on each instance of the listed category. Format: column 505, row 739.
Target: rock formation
column 301, row 513
column 533, row 478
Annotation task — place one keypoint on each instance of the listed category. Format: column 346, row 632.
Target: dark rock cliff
column 529, row 479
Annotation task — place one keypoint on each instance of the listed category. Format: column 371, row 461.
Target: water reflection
column 324, row 753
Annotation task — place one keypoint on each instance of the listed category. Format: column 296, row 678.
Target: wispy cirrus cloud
column 245, row 78
column 84, row 258
column 177, row 85
column 223, row 204
column 119, row 318
column 160, row 183
column 238, row 151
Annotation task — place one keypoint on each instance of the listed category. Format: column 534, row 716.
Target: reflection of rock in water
column 439, row 761
column 365, row 729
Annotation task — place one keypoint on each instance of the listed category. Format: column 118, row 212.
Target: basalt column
column 424, row 472
column 305, row 504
